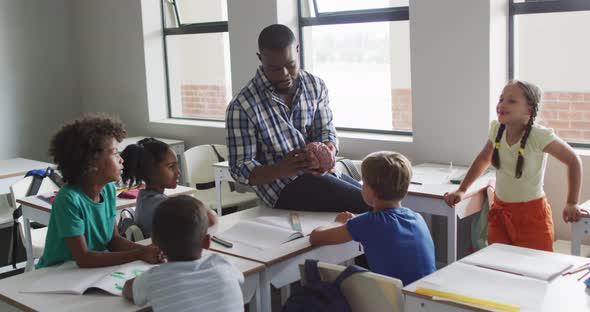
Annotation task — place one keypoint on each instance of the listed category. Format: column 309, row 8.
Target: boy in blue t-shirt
column 396, row 240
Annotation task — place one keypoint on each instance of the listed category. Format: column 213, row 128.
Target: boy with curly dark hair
column 82, row 226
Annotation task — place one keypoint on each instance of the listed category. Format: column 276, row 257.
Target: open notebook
column 269, row 231
column 484, row 284
column 526, row 262
column 69, row 279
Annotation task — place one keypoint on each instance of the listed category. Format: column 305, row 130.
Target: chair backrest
column 20, row 188
column 198, row 163
column 365, row 291
column 354, row 169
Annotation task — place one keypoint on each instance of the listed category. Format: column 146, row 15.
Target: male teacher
column 273, row 117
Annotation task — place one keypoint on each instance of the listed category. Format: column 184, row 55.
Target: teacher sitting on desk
column 272, row 119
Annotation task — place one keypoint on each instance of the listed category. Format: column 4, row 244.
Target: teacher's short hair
column 276, row 36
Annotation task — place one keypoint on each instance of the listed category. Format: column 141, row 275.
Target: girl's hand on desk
column 151, row 254
column 571, row 213
column 453, row 198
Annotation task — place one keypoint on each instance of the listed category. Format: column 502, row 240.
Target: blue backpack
column 317, row 295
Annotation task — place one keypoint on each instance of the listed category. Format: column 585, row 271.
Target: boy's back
column 396, row 241
column 209, row 283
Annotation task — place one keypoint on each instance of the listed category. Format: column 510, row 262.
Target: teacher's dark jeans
column 326, row 193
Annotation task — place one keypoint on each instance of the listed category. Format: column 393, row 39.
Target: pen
column 222, row 242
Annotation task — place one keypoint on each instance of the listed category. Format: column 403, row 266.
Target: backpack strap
column 129, row 211
column 232, row 187
column 312, row 273
column 350, row 270
column 56, row 177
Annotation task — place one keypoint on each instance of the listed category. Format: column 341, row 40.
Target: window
column 361, row 49
column 549, row 46
column 197, row 58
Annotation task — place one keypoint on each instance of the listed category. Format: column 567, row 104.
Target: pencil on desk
column 578, row 269
column 466, row 299
column 579, row 279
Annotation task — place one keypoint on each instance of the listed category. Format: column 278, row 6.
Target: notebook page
column 308, row 223
column 488, row 284
column 68, row 278
column 256, row 234
column 114, row 281
column 532, row 263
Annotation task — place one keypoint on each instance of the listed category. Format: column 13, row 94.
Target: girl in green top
column 82, row 226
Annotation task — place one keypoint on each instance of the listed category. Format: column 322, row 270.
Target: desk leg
column 451, row 235
column 577, row 234
column 218, row 190
column 264, row 288
column 28, row 244
column 285, row 293
column 254, row 305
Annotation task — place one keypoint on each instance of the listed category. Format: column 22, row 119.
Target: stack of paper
column 527, row 262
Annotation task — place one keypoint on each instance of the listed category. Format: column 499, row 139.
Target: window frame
column 185, row 29
column 391, row 14
column 536, row 7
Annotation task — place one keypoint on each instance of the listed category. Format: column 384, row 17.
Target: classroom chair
column 198, row 166
column 5, row 212
column 19, row 190
column 364, row 291
column 351, row 168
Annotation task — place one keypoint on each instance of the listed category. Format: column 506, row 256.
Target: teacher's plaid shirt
column 261, row 129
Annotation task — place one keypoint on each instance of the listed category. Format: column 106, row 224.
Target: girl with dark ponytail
column 517, row 147
column 154, row 163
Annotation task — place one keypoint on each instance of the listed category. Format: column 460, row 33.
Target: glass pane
column 195, row 11
column 199, row 79
column 552, row 51
column 327, row 6
column 367, row 70
column 521, row 1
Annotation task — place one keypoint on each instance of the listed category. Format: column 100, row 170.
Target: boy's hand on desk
column 453, row 198
column 571, row 213
column 343, row 217
column 151, row 254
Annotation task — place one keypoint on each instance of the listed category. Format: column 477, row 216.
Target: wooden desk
column 282, row 263
column 96, row 300
column 20, row 166
column 38, row 210
column 563, row 293
column 12, row 170
column 428, row 198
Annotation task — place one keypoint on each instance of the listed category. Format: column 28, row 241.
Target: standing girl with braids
column 520, row 214
column 154, row 163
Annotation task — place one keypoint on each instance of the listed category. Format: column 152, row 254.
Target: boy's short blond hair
column 388, row 174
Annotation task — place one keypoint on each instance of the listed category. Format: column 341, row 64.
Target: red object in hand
column 323, row 154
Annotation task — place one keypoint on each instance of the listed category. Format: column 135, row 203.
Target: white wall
column 458, row 55
column 248, row 18
column 38, row 75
